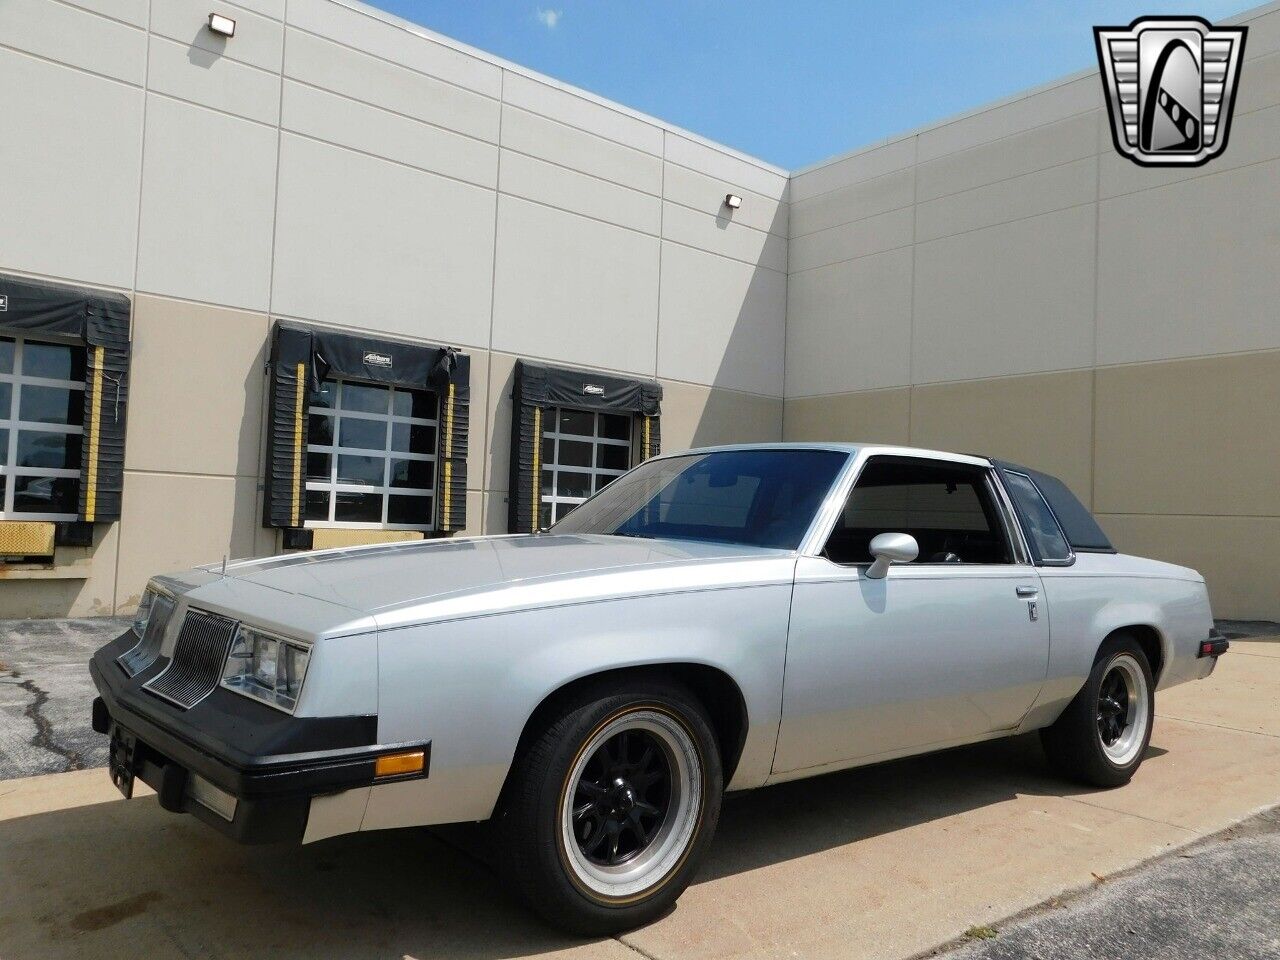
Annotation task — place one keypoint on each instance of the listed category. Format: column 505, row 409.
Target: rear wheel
column 1102, row 736
column 612, row 806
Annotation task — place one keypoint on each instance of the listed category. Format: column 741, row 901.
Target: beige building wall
column 335, row 165
column 1005, row 283
column 1001, row 283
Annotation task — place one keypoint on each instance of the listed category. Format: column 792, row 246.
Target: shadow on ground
column 117, row 878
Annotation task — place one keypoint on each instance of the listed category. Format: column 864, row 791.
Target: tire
column 1102, row 736
column 626, row 859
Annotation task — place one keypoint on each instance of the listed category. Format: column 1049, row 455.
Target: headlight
column 144, row 612
column 267, row 668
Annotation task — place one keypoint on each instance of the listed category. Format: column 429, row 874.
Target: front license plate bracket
column 123, row 759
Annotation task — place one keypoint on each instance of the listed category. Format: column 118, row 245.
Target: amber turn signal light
column 398, row 764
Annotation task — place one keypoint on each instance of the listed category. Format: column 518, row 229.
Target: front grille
column 198, row 658
column 143, row 653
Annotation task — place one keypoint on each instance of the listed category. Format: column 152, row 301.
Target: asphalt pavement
column 1219, row 898
column 46, row 693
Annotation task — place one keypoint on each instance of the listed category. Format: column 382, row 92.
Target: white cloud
column 549, row 18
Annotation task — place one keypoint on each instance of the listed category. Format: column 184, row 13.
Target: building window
column 582, row 452
column 41, row 428
column 371, row 457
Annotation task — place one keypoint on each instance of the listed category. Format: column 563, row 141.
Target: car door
column 945, row 649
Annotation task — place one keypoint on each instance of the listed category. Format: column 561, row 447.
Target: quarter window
column 947, row 507
column 371, row 456
column 582, row 452
column 41, row 429
column 1041, row 525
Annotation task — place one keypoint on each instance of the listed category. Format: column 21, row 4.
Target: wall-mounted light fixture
column 222, row 26
column 732, row 201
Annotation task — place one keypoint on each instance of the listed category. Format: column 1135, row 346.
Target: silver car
column 714, row 620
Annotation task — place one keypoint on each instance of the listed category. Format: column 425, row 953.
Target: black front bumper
column 272, row 763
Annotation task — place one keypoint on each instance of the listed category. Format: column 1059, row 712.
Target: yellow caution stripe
column 448, row 460
column 295, row 512
column 95, row 426
column 537, row 465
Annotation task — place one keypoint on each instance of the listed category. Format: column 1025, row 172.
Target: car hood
column 402, row 583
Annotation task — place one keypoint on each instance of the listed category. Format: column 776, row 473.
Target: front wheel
column 1102, row 736
column 612, row 806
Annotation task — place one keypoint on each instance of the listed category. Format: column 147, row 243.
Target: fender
column 478, row 704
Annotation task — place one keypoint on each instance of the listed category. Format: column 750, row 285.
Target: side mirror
column 890, row 548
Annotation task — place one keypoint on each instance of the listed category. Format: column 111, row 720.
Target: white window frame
column 385, row 490
column 555, row 498
column 13, row 424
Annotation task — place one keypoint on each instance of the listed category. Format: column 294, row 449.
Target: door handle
column 1026, row 591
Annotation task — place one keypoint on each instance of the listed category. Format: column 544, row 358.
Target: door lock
column 1033, row 611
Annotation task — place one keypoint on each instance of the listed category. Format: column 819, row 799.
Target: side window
column 1042, row 526
column 947, row 507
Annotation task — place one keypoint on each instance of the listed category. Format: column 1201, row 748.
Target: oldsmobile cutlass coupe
column 714, row 620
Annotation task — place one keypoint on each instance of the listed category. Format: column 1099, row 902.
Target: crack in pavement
column 43, row 738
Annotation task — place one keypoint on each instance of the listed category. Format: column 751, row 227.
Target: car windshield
column 761, row 498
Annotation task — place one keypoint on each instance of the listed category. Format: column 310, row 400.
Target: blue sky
column 792, row 82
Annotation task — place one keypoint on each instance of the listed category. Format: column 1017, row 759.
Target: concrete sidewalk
column 881, row 862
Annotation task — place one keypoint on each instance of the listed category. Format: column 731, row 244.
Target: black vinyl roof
column 1078, row 525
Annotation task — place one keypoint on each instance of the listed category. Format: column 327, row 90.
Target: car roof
column 850, row 448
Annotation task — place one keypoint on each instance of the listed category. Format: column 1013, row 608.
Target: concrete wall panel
column 212, row 80
column 396, row 41
column 197, row 389
column 849, row 241
column 849, row 326
column 717, row 233
column 723, row 165
column 580, row 290
column 1066, row 185
column 1057, row 101
column 873, row 416
column 1191, row 268
column 207, row 205
column 719, row 321
column 562, row 104
column 566, row 189
column 390, row 249
column 130, row 11
column 854, row 202
column 697, row 416
column 1190, row 437
column 332, row 66
column 339, row 120
column 58, row 32
column 259, row 40
column 868, row 164
column 589, row 153
column 706, row 194
column 1014, row 156
column 1010, row 299
column 67, row 211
